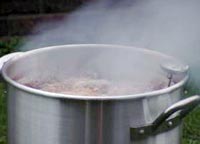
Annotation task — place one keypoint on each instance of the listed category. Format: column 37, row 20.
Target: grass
column 7, row 45
column 191, row 131
column 2, row 115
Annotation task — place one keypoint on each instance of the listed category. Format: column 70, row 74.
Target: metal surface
column 163, row 123
column 37, row 117
column 40, row 57
column 147, row 131
column 38, row 120
column 6, row 58
column 183, row 107
column 174, row 67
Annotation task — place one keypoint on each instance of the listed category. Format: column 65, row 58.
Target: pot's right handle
column 183, row 107
column 6, row 58
column 163, row 122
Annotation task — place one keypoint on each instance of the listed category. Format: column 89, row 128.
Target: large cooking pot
column 40, row 117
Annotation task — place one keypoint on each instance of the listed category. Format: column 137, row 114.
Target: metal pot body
column 37, row 117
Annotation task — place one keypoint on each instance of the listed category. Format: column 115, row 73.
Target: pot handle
column 163, row 122
column 6, row 58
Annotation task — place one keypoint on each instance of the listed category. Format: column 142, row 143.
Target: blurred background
column 18, row 19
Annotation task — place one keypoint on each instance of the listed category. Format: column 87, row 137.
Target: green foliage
column 191, row 126
column 8, row 45
column 190, row 141
column 2, row 115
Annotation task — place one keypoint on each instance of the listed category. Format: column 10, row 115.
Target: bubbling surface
column 91, row 86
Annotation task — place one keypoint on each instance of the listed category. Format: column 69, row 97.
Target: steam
column 168, row 26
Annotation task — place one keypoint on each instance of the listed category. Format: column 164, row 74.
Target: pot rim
column 81, row 97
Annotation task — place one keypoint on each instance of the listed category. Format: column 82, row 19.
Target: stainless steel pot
column 38, row 117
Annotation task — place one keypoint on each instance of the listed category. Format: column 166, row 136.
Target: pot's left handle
column 6, row 58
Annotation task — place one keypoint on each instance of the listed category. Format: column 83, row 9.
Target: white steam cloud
column 169, row 26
